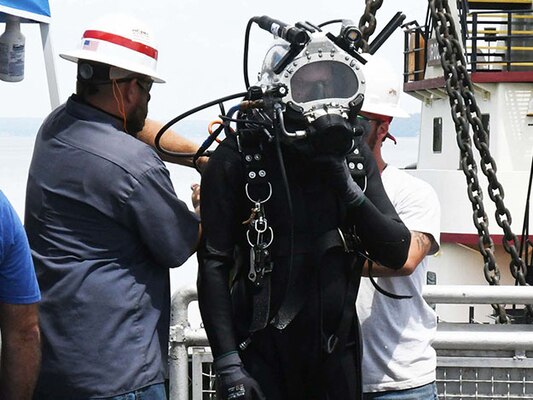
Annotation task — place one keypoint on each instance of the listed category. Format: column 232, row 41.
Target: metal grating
column 492, row 378
column 484, row 383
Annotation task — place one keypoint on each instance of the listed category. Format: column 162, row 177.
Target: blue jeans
column 426, row 392
column 152, row 392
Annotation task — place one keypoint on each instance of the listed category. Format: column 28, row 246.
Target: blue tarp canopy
column 30, row 10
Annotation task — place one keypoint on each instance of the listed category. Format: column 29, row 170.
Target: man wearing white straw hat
column 105, row 226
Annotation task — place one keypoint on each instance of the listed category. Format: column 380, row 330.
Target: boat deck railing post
column 181, row 337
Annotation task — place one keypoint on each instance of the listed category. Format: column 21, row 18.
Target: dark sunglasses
column 145, row 84
column 379, row 121
column 368, row 119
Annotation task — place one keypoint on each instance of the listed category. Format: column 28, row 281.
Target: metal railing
column 483, row 361
column 494, row 41
column 182, row 337
column 474, row 361
column 500, row 40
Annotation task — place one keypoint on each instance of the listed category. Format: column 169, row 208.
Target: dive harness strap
column 260, row 237
column 259, row 234
column 356, row 165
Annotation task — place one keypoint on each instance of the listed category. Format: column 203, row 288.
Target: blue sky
column 200, row 46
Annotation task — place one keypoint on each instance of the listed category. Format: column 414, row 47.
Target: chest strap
column 259, row 234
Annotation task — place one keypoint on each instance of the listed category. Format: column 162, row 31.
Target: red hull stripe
column 469, row 238
column 121, row 41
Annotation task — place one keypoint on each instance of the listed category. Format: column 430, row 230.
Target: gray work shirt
column 104, row 225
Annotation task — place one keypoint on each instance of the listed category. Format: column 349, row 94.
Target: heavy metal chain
column 465, row 112
column 367, row 23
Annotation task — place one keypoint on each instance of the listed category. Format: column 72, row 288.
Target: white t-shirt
column 397, row 334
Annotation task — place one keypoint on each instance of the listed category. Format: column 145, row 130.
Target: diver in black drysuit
column 310, row 358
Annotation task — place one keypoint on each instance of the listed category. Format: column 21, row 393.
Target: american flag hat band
column 121, row 42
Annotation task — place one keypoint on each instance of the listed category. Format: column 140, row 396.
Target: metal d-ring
column 258, row 201
column 255, row 244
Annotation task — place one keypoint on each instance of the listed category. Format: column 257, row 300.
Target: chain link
column 465, row 113
column 367, row 23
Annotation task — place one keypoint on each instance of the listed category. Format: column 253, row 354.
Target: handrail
column 509, row 28
column 478, row 294
column 450, row 336
column 462, row 336
column 181, row 336
column 509, row 337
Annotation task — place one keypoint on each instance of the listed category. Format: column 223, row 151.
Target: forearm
column 385, row 237
column 170, row 141
column 379, row 270
column 419, row 247
column 21, row 354
column 381, row 230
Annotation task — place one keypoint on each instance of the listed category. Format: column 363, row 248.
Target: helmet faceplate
column 321, row 79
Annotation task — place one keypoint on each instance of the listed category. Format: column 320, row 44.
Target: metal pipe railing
column 477, row 294
column 515, row 337
column 181, row 337
column 508, row 337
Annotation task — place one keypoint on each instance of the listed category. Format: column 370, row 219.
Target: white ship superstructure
column 497, row 40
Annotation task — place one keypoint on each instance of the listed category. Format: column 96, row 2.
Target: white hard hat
column 121, row 41
column 383, row 88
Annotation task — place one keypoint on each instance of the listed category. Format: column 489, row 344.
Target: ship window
column 437, row 135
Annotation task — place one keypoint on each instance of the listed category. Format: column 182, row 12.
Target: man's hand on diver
column 201, row 163
column 335, row 170
column 233, row 382
column 195, row 198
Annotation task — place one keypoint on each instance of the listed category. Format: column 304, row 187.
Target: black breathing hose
column 212, row 137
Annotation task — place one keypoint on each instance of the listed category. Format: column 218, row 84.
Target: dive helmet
column 325, row 90
column 383, row 88
column 120, row 41
column 321, row 78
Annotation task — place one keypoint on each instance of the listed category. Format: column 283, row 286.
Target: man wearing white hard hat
column 398, row 360
column 105, row 226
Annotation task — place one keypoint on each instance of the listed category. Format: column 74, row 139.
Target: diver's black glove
column 336, row 172
column 233, row 382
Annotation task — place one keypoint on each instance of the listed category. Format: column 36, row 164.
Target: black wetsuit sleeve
column 379, row 227
column 220, row 223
